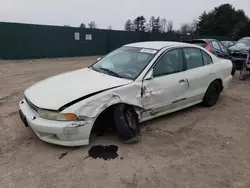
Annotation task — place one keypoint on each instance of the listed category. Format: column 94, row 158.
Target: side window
column 206, row 58
column 170, row 63
column 223, row 48
column 215, row 45
column 193, row 58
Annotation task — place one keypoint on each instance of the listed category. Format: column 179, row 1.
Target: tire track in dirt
column 7, row 98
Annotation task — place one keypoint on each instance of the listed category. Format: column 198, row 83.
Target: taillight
column 208, row 47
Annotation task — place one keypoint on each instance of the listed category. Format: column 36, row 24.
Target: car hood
column 54, row 92
column 239, row 48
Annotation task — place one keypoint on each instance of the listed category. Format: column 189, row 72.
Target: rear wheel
column 212, row 94
column 126, row 123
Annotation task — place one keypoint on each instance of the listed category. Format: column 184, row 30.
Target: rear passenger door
column 200, row 73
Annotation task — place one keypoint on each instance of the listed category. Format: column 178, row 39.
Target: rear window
column 199, row 43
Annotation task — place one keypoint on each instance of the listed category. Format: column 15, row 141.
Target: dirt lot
column 196, row 147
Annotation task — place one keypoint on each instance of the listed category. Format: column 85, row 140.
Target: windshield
column 125, row 62
column 243, row 42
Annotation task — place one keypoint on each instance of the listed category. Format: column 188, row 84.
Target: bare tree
column 188, row 27
column 92, row 25
column 151, row 23
column 163, row 23
column 147, row 27
column 156, row 25
column 170, row 26
column 193, row 25
column 185, row 28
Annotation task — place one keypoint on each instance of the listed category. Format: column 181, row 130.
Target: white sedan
column 132, row 84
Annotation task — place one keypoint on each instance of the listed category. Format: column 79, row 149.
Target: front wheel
column 212, row 94
column 126, row 123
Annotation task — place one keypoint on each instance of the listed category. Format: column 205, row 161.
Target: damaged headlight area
column 53, row 115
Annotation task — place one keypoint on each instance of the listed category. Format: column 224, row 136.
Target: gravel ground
column 196, row 147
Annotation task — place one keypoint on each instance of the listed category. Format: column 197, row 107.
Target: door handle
column 211, row 73
column 182, row 81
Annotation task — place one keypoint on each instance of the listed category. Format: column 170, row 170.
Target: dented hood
column 54, row 92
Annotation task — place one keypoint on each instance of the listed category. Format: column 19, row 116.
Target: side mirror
column 149, row 76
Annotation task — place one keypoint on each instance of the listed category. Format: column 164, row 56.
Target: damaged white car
column 132, row 84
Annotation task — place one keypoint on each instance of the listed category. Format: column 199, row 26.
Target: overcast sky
column 107, row 12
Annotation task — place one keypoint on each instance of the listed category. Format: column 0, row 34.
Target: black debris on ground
column 104, row 152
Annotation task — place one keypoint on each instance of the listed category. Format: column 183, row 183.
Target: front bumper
column 65, row 133
column 239, row 61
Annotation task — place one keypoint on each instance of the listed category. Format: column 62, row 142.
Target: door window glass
column 206, row 58
column 170, row 63
column 193, row 58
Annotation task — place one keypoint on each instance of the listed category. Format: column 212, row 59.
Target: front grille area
column 35, row 108
column 239, row 54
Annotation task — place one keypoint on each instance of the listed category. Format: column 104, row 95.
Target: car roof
column 157, row 45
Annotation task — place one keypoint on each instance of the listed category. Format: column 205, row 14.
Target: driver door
column 168, row 86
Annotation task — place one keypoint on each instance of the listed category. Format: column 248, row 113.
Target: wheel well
column 104, row 120
column 220, row 81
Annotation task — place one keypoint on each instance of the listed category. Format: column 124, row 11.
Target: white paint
column 161, row 95
column 54, row 92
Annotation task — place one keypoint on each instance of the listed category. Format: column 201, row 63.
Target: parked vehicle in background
column 228, row 43
column 216, row 47
column 132, row 84
column 239, row 51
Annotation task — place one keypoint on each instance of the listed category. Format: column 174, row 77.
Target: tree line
column 155, row 24
column 223, row 20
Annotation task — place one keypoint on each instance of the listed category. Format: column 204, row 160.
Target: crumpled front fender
column 95, row 107
column 92, row 107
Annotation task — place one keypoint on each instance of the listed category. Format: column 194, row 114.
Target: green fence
column 22, row 41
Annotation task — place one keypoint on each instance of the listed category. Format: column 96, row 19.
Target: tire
column 233, row 69
column 126, row 123
column 212, row 94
